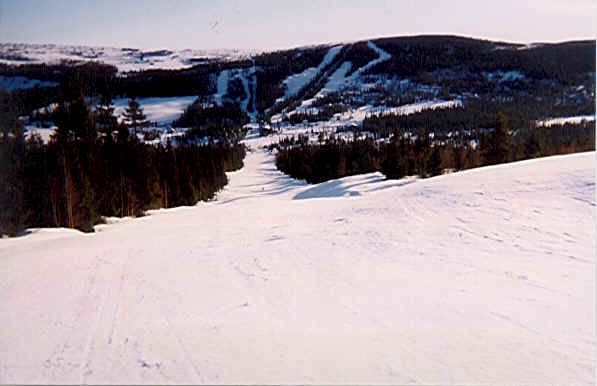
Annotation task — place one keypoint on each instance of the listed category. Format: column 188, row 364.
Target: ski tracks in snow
column 480, row 276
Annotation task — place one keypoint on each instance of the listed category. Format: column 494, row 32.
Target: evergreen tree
column 105, row 120
column 36, row 181
column 534, row 145
column 422, row 149
column 497, row 148
column 134, row 116
column 459, row 157
column 518, row 150
column 75, row 198
column 12, row 156
column 394, row 165
column 434, row 166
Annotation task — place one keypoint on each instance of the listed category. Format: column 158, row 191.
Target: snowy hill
column 125, row 59
column 483, row 276
column 378, row 75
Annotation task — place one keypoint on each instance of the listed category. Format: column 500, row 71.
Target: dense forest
column 209, row 120
column 566, row 62
column 479, row 113
column 94, row 167
column 427, row 154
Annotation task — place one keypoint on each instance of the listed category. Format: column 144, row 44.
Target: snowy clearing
column 162, row 110
column 484, row 276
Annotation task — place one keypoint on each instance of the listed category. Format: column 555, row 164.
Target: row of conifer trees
column 94, row 167
column 406, row 154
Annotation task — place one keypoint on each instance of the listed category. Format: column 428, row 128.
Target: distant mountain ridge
column 388, row 71
column 125, row 59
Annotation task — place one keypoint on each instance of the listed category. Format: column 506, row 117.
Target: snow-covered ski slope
column 383, row 56
column 484, row 277
column 294, row 83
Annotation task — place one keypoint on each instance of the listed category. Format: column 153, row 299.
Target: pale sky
column 274, row 24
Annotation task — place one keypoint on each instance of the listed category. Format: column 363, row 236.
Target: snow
column 10, row 83
column 247, row 76
column 530, row 46
column 125, row 59
column 383, row 56
column 44, row 132
column 484, row 276
column 162, row 110
column 338, row 81
column 222, row 84
column 503, row 76
column 564, row 120
column 294, row 83
column 356, row 116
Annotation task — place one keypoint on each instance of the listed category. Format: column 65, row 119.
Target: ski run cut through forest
column 483, row 276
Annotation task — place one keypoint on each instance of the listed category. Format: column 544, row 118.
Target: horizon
column 267, row 25
column 330, row 43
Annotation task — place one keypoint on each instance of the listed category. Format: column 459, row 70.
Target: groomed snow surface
column 480, row 277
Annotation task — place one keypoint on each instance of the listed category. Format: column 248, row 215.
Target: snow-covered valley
column 482, row 276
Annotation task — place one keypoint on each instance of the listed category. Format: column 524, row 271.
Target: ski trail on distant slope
column 243, row 78
column 338, row 79
column 295, row 82
column 222, row 83
column 383, row 56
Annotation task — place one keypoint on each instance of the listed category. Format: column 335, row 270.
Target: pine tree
column 105, row 120
column 73, row 119
column 134, row 116
column 395, row 165
column 422, row 149
column 534, row 145
column 434, row 166
column 459, row 159
column 12, row 157
column 497, row 148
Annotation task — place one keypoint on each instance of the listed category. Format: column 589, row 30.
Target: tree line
column 425, row 155
column 94, row 167
column 477, row 113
